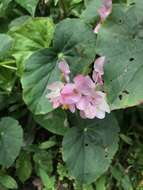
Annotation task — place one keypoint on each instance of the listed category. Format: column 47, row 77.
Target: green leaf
column 43, row 160
column 101, row 183
column 23, row 167
column 90, row 14
column 122, row 178
column 10, row 140
column 48, row 182
column 48, row 144
column 42, row 67
column 123, row 33
column 89, row 147
column 30, row 6
column 8, row 182
column 55, row 122
column 7, row 79
column 30, row 35
column 5, row 44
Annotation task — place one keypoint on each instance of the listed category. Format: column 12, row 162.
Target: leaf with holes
column 42, row 67
column 10, row 140
column 123, row 33
column 88, row 148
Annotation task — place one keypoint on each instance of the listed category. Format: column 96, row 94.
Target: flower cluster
column 82, row 93
column 104, row 12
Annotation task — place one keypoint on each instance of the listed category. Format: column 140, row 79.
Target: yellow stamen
column 65, row 107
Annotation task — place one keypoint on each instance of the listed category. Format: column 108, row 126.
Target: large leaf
column 30, row 35
column 10, row 140
column 30, row 6
column 123, row 33
column 55, row 122
column 88, row 147
column 75, row 41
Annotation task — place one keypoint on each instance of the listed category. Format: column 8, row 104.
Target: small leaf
column 48, row 144
column 89, row 147
column 126, row 139
column 8, row 182
column 43, row 160
column 23, row 167
column 48, row 182
column 10, row 140
column 30, row 6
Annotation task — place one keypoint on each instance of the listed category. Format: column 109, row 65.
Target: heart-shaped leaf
column 73, row 40
column 88, row 147
column 10, row 140
column 123, row 33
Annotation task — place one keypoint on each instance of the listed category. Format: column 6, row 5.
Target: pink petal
column 96, row 29
column 105, row 10
column 90, row 112
column 72, row 108
column 98, row 70
column 70, row 94
column 99, row 64
column 82, row 115
column 55, row 85
column 82, row 103
column 84, row 84
column 64, row 67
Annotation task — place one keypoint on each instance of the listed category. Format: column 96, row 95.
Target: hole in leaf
column 133, row 3
column 125, row 92
column 120, row 97
column 120, row 21
column 86, row 144
column 132, row 59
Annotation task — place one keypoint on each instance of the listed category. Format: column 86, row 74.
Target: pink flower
column 55, row 95
column 70, row 96
column 84, row 84
column 104, row 12
column 64, row 68
column 98, row 70
column 80, row 94
column 96, row 106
